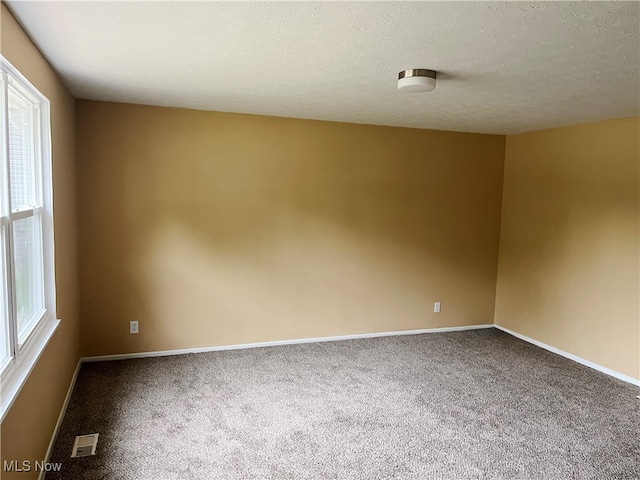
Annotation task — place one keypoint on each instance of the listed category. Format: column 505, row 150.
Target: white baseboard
column 571, row 356
column 163, row 353
column 63, row 411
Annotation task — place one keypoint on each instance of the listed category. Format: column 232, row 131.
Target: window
column 27, row 312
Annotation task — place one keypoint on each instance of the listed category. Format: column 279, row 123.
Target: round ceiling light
column 417, row 80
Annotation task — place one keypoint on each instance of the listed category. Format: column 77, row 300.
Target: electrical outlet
column 436, row 307
column 133, row 326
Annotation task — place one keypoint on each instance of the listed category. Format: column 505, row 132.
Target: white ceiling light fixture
column 417, row 80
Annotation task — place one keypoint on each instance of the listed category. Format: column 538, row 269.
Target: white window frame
column 25, row 355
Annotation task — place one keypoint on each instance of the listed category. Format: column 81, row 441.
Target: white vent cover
column 85, row 445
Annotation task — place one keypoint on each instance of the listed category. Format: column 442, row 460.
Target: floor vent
column 85, row 445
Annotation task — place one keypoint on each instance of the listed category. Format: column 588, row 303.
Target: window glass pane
column 4, row 194
column 22, row 150
column 27, row 251
column 4, row 305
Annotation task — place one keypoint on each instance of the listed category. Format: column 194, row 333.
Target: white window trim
column 27, row 354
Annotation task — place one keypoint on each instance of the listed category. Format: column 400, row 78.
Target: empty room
column 319, row 240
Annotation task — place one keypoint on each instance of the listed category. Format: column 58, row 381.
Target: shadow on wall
column 226, row 229
column 569, row 248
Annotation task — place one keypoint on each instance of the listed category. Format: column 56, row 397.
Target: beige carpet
column 464, row 405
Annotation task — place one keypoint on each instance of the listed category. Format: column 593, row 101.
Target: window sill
column 17, row 373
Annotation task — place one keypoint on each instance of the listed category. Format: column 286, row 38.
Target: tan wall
column 568, row 269
column 28, row 427
column 213, row 229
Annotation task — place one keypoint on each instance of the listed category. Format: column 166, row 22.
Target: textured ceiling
column 506, row 67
